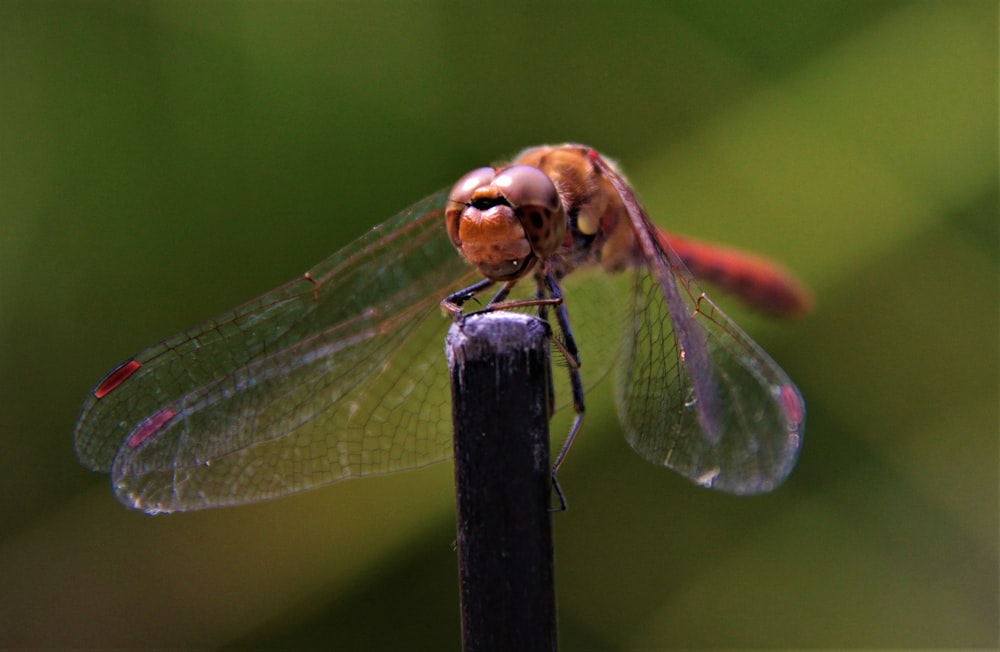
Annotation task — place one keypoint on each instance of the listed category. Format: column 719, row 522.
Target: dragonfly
column 340, row 373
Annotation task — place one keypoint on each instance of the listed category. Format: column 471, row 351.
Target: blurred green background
column 162, row 162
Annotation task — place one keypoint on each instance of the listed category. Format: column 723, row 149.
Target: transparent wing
column 726, row 417
column 694, row 392
column 337, row 374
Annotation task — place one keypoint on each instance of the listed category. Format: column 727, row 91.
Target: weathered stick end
column 499, row 364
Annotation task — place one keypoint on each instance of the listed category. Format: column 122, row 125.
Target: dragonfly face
column 338, row 374
column 503, row 220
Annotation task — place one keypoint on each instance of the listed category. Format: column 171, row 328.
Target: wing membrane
column 694, row 392
column 756, row 413
column 319, row 380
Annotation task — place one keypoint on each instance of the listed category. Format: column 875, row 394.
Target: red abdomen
column 759, row 282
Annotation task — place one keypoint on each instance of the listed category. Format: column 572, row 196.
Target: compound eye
column 524, row 185
column 462, row 191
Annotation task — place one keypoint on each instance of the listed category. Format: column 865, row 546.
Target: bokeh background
column 161, row 162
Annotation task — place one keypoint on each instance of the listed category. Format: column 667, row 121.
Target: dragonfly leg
column 453, row 302
column 565, row 343
column 574, row 429
column 562, row 317
column 543, row 314
column 568, row 346
column 501, row 294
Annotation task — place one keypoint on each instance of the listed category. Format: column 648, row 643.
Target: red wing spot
column 116, row 377
column 791, row 403
column 150, row 427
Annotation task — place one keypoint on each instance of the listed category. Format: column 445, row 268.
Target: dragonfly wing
column 337, row 374
column 726, row 417
column 694, row 392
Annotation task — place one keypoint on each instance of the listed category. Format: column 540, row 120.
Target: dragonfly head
column 504, row 220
